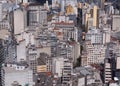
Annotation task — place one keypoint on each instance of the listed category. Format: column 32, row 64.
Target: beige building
column 95, row 16
column 41, row 68
column 87, row 16
column 91, row 17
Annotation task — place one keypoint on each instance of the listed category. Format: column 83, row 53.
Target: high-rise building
column 57, row 64
column 102, row 4
column 36, row 15
column 95, row 16
column 32, row 57
column 115, row 23
column 94, row 46
column 87, row 16
column 79, row 17
column 66, row 72
column 18, row 15
column 62, row 6
column 95, row 53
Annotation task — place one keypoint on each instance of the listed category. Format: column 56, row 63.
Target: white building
column 106, row 35
column 19, row 22
column 21, row 51
column 13, row 74
column 115, row 23
column 58, row 64
column 95, row 53
column 62, row 2
column 95, row 36
column 66, row 72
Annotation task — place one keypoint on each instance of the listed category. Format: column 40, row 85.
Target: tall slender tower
column 62, row 6
column 102, row 4
column 95, row 16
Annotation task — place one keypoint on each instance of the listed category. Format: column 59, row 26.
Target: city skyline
column 59, row 43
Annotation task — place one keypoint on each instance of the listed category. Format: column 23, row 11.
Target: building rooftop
column 116, row 35
column 83, row 70
column 13, row 70
column 4, row 33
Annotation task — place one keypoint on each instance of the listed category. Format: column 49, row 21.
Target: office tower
column 87, row 16
column 102, row 4
column 95, row 16
column 115, row 23
column 2, row 54
column 18, row 15
column 36, row 15
column 43, row 16
column 94, row 46
column 21, row 50
column 62, row 6
column 66, row 72
column 90, row 23
column 57, row 66
column 95, row 53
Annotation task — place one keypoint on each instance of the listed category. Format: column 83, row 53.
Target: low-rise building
column 17, row 74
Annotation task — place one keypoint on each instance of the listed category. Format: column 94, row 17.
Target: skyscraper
column 102, row 4
column 62, row 2
column 95, row 16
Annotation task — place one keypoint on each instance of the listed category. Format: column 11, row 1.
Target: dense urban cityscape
column 59, row 42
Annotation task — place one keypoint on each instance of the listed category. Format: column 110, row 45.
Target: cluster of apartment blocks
column 102, row 40
column 29, row 39
column 52, row 46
